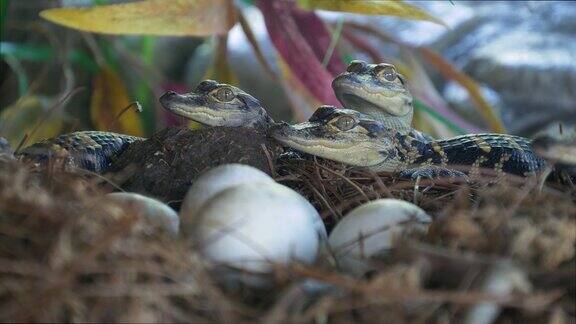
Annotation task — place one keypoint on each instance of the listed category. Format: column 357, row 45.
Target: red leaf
column 318, row 37
column 169, row 118
column 295, row 50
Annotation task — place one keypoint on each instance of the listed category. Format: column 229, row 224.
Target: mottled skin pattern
column 89, row 150
column 353, row 138
column 500, row 152
column 217, row 104
column 211, row 103
column 379, row 91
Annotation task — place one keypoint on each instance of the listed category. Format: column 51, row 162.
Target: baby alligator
column 376, row 90
column 89, row 150
column 217, row 104
column 210, row 103
column 380, row 92
column 353, row 138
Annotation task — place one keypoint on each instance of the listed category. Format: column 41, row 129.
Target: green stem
column 3, row 17
column 333, row 42
column 15, row 65
column 24, row 52
column 143, row 93
column 423, row 107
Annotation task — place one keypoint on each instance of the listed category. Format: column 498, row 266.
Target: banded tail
column 89, row 150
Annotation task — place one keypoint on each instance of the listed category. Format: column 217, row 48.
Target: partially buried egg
column 154, row 212
column 253, row 226
column 211, row 183
column 370, row 230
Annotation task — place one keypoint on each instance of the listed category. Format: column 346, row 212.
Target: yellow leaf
column 370, row 7
column 30, row 116
column 109, row 100
column 150, row 17
column 450, row 72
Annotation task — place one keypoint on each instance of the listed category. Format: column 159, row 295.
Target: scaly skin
column 89, row 150
column 376, row 90
column 211, row 103
column 217, row 104
column 354, row 138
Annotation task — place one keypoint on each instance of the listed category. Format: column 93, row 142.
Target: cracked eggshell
column 253, row 225
column 214, row 181
column 370, row 229
column 155, row 212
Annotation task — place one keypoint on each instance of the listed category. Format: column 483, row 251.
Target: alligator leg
column 432, row 172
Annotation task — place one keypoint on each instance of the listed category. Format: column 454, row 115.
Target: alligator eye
column 224, row 94
column 386, row 71
column 355, row 66
column 345, row 123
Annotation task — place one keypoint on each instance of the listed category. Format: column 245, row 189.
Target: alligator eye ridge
column 386, row 71
column 355, row 66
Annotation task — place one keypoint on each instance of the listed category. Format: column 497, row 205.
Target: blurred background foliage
column 80, row 64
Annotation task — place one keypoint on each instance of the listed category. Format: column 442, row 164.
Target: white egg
column 253, row 225
column 370, row 229
column 214, row 181
column 155, row 212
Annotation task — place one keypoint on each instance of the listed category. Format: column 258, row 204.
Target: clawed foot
column 290, row 155
column 432, row 173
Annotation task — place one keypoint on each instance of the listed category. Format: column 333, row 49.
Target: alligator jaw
column 304, row 138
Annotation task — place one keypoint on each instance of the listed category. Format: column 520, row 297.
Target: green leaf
column 143, row 93
column 41, row 53
column 419, row 105
column 3, row 17
column 334, row 38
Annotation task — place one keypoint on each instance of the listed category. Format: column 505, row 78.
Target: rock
column 526, row 53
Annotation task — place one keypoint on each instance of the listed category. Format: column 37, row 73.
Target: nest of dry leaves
column 65, row 258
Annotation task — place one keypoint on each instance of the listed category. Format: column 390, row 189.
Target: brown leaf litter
column 65, row 257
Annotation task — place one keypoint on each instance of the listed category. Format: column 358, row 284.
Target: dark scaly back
column 499, row 152
column 89, row 150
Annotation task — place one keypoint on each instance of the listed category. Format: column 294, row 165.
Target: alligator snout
column 167, row 97
column 279, row 129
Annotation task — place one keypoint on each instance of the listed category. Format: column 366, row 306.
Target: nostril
column 167, row 97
